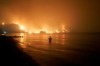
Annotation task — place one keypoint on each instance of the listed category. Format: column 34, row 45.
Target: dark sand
column 11, row 53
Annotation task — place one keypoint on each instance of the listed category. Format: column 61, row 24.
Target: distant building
column 42, row 32
column 10, row 28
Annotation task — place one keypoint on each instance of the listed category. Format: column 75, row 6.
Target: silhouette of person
column 50, row 39
column 12, row 55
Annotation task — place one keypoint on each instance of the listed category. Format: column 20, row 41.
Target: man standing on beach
column 50, row 39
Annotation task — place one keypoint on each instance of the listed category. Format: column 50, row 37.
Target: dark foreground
column 73, row 50
column 12, row 55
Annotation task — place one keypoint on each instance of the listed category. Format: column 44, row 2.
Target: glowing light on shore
column 30, row 32
column 36, row 32
column 5, row 32
column 22, row 27
column 50, row 32
column 3, row 23
column 57, row 31
column 42, row 29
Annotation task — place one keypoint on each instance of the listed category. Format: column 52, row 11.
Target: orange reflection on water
column 22, row 37
column 22, row 40
column 63, row 39
column 23, row 45
column 63, row 36
column 42, row 36
column 60, row 39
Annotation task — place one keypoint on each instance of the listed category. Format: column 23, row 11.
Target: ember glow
column 3, row 23
column 51, row 15
column 22, row 27
column 42, row 29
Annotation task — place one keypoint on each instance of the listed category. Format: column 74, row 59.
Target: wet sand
column 72, row 50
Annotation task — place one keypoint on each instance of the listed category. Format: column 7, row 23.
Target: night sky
column 75, row 15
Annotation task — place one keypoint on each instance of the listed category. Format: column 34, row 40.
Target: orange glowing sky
column 50, row 14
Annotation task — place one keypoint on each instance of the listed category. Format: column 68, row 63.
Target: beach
column 65, row 49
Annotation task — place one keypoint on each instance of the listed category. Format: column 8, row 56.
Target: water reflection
column 59, row 39
column 22, row 37
column 22, row 40
column 43, row 36
column 41, row 39
column 63, row 39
